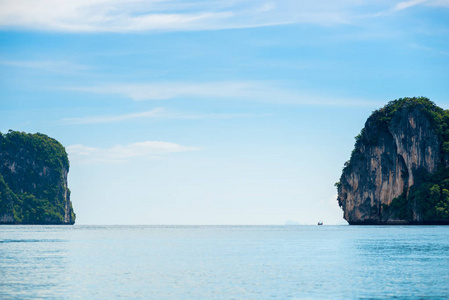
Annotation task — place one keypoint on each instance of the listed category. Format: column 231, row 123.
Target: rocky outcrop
column 33, row 180
column 400, row 145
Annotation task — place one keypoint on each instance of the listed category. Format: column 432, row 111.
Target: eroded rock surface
column 398, row 144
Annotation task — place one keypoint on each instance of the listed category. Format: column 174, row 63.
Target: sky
column 213, row 112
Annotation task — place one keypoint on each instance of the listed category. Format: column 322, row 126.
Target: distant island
column 398, row 172
column 33, row 180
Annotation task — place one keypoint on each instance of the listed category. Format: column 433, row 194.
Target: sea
column 224, row 262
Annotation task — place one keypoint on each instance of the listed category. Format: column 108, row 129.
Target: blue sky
column 213, row 112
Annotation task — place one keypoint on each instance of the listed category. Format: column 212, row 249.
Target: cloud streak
column 258, row 91
column 111, row 119
column 182, row 15
column 121, row 153
column 54, row 66
column 157, row 113
column 170, row 90
column 169, row 15
column 407, row 4
column 432, row 3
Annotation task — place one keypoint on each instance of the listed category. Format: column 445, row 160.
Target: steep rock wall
column 388, row 156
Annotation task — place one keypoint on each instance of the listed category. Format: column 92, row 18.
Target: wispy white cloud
column 98, row 15
column 410, row 3
column 170, row 90
column 112, row 118
column 54, row 66
column 259, row 91
column 430, row 49
column 407, row 4
column 160, row 113
column 180, row 15
column 148, row 15
column 122, row 153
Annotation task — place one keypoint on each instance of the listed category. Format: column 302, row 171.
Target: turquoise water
column 224, row 262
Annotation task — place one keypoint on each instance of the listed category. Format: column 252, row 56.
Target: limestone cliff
column 398, row 171
column 33, row 180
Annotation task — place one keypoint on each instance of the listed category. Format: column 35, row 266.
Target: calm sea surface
column 224, row 262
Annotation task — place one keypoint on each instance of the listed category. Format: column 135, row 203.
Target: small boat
column 320, row 223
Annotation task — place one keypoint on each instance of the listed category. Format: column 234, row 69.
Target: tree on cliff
column 33, row 180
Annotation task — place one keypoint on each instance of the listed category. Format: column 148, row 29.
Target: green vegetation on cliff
column 430, row 195
column 381, row 118
column 438, row 117
column 33, row 180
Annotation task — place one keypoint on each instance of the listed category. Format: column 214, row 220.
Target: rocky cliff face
column 33, row 180
column 400, row 145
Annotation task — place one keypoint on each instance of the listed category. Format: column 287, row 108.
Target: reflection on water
column 204, row 262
